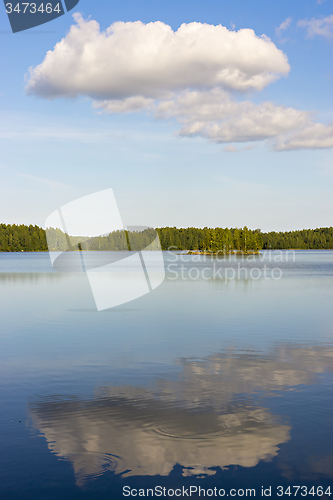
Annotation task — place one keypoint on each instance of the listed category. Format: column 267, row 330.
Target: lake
column 218, row 382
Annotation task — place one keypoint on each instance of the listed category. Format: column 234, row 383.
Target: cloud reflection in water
column 207, row 418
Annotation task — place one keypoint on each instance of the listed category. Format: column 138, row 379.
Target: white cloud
column 214, row 115
column 150, row 60
column 185, row 75
column 322, row 27
column 283, row 26
column 227, row 120
column 314, row 136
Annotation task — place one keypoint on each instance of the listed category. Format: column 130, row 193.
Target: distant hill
column 18, row 238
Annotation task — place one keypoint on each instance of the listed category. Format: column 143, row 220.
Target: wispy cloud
column 283, row 26
column 318, row 27
column 230, row 149
column 233, row 149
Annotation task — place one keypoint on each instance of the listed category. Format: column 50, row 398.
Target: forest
column 15, row 238
column 21, row 238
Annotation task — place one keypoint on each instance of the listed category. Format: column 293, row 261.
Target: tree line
column 211, row 240
column 316, row 239
column 117, row 240
column 16, row 238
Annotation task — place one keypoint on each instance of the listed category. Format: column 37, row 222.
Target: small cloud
column 314, row 136
column 283, row 26
column 233, row 25
column 321, row 27
column 230, row 149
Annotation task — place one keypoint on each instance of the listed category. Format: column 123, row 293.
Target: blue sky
column 235, row 131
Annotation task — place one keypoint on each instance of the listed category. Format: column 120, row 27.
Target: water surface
column 218, row 378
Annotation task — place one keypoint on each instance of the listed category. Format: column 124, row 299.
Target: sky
column 215, row 113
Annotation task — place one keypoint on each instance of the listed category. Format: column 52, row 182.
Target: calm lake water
column 219, row 378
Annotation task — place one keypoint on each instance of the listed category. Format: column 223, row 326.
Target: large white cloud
column 131, row 59
column 187, row 75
